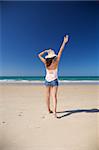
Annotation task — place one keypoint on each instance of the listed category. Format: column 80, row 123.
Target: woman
column 51, row 62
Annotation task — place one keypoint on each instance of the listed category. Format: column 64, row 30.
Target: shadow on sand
column 70, row 112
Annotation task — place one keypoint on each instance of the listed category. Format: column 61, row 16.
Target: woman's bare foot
column 50, row 111
column 55, row 115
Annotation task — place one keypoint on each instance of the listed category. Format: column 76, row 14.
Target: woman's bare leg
column 48, row 89
column 54, row 96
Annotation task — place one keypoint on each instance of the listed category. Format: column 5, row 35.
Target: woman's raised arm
column 62, row 47
column 40, row 56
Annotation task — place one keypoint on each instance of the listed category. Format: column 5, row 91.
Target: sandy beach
column 26, row 125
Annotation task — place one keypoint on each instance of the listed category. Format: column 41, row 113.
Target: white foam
column 79, row 81
column 42, row 82
column 20, row 81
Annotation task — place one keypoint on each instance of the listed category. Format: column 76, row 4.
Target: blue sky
column 27, row 28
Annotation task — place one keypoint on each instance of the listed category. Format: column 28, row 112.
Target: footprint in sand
column 3, row 122
column 43, row 117
column 38, row 127
column 21, row 113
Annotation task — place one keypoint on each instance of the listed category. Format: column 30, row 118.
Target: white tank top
column 51, row 75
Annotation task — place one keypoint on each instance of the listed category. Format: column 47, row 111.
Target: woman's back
column 51, row 74
column 53, row 65
column 51, row 71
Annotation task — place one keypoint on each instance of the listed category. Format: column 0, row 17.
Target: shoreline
column 42, row 82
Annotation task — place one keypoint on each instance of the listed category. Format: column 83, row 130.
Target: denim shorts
column 51, row 83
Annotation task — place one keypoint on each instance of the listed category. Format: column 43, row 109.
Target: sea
column 41, row 79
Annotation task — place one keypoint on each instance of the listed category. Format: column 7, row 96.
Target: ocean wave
column 42, row 82
column 20, row 81
column 78, row 81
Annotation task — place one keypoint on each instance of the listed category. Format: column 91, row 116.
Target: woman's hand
column 62, row 47
column 46, row 51
column 66, row 39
